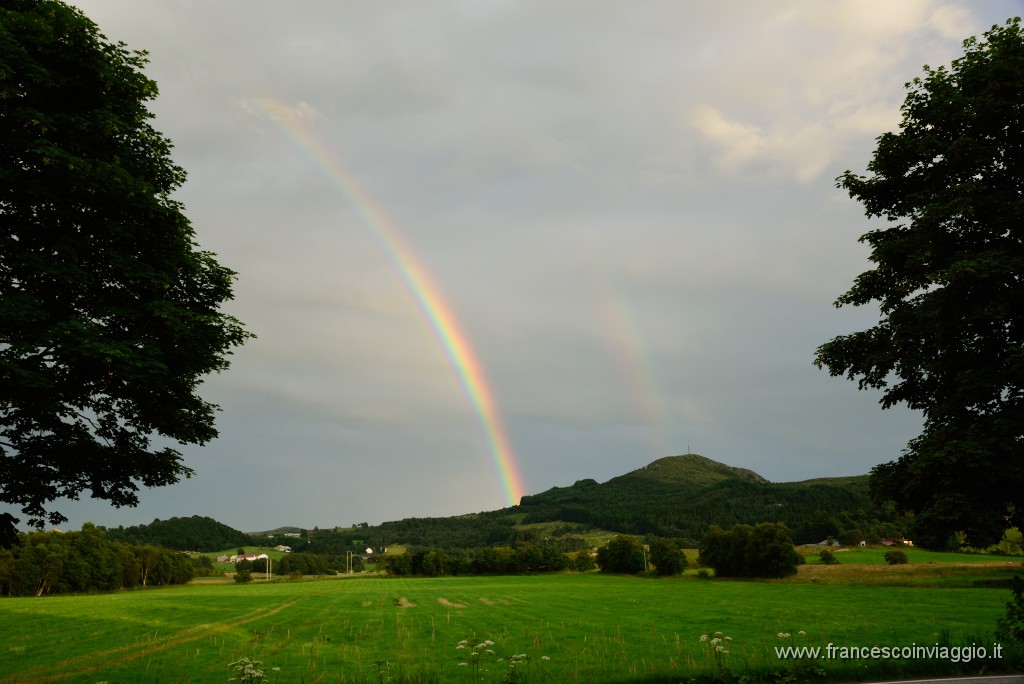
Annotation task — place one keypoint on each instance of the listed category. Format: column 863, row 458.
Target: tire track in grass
column 120, row 656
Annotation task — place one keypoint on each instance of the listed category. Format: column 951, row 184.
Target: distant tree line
column 522, row 559
column 43, row 563
column 623, row 555
column 460, row 533
column 301, row 564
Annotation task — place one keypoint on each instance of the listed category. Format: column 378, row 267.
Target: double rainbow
column 290, row 124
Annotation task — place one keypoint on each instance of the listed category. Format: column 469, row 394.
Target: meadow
column 570, row 627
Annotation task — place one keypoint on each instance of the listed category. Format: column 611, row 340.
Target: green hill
column 681, row 496
column 197, row 533
column 691, row 469
column 677, row 496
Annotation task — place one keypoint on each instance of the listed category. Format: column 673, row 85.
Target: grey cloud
column 628, row 207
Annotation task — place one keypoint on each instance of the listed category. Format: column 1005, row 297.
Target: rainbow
column 665, row 416
column 636, row 361
column 290, row 124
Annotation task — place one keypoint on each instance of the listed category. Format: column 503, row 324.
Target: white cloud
column 815, row 78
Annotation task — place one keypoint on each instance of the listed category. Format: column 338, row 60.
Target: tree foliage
column 896, row 557
column 109, row 312
column 313, row 564
column 765, row 550
column 44, row 563
column 947, row 279
column 684, row 508
column 826, row 557
column 667, row 557
column 490, row 560
column 1010, row 626
column 623, row 554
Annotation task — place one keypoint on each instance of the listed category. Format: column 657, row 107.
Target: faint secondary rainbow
column 290, row 124
column 636, row 360
column 668, row 415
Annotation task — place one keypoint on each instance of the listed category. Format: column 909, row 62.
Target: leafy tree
column 826, row 557
column 623, row 554
column 202, row 566
column 948, row 282
column 87, row 561
column 109, row 314
column 762, row 551
column 399, row 565
column 304, row 564
column 147, row 557
column 582, row 561
column 667, row 557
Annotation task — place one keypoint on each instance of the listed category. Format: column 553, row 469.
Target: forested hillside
column 681, row 496
column 460, row 532
column 197, row 533
column 678, row 497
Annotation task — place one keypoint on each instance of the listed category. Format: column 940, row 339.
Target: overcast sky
column 625, row 212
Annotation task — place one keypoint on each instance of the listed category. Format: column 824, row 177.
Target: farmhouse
column 239, row 557
column 896, row 542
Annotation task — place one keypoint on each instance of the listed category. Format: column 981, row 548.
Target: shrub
column 1011, row 625
column 895, row 557
column 582, row 561
column 243, row 576
column 826, row 557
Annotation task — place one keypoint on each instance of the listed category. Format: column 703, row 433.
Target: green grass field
column 576, row 628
